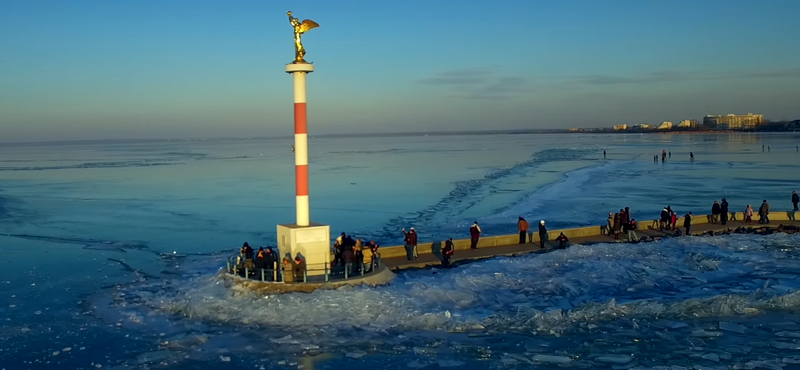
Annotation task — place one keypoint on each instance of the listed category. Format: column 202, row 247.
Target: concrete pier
column 394, row 257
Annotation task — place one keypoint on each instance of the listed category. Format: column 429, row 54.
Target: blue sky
column 195, row 68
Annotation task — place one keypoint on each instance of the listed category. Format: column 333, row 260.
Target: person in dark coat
column 447, row 252
column 248, row 256
column 543, row 237
column 261, row 259
column 715, row 211
column 664, row 220
column 299, row 268
column 628, row 217
column 763, row 213
column 563, row 241
column 723, row 211
column 270, row 259
column 623, row 221
column 795, row 200
column 349, row 258
column 687, row 223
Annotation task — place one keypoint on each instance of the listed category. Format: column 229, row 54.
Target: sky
column 95, row 69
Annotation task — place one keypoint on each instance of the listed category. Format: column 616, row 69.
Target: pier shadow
column 436, row 249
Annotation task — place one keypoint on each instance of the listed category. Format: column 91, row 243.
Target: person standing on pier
column 691, row 156
column 604, row 154
column 447, row 252
column 474, row 235
column 673, row 218
column 628, row 217
column 271, row 260
column 748, row 214
column 715, row 211
column 632, row 236
column 623, row 220
column 523, row 227
column 543, row 237
column 795, row 200
column 687, row 223
column 763, row 213
column 723, row 211
column 411, row 243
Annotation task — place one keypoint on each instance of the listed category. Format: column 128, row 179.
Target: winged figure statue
column 299, row 29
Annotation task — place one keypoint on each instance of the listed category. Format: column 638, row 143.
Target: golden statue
column 299, row 29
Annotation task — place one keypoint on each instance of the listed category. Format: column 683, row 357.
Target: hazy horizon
column 164, row 70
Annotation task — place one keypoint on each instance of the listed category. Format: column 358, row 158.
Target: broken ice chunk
column 615, row 359
column 729, row 326
column 551, row 359
column 450, row 363
column 702, row 333
column 356, row 354
column 711, row 357
column 784, row 345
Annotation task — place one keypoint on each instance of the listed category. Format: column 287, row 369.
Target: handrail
column 329, row 273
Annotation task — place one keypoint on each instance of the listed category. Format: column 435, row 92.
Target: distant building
column 688, row 123
column 734, row 121
column 574, row 129
column 620, row 127
column 666, row 125
column 643, row 126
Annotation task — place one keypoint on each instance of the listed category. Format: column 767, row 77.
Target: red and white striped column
column 299, row 72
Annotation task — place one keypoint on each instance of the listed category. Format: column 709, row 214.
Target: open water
column 111, row 254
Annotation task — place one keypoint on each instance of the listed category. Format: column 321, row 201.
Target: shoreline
column 375, row 135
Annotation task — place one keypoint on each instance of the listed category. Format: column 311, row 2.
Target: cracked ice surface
column 681, row 301
column 697, row 277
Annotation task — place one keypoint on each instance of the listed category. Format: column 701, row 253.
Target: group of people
column 664, row 155
column 352, row 256
column 544, row 236
column 448, row 249
column 263, row 264
column 720, row 213
column 622, row 223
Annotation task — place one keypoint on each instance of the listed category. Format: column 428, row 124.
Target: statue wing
column 307, row 25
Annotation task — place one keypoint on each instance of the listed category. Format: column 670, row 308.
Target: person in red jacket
column 474, row 235
column 411, row 243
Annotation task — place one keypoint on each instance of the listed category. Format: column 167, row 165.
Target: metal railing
column 305, row 273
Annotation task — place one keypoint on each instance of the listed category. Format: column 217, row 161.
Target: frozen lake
column 110, row 253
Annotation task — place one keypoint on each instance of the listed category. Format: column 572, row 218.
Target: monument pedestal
column 311, row 242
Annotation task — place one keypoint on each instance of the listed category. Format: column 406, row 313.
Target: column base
column 311, row 242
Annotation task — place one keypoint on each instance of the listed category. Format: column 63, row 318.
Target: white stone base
column 312, row 242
